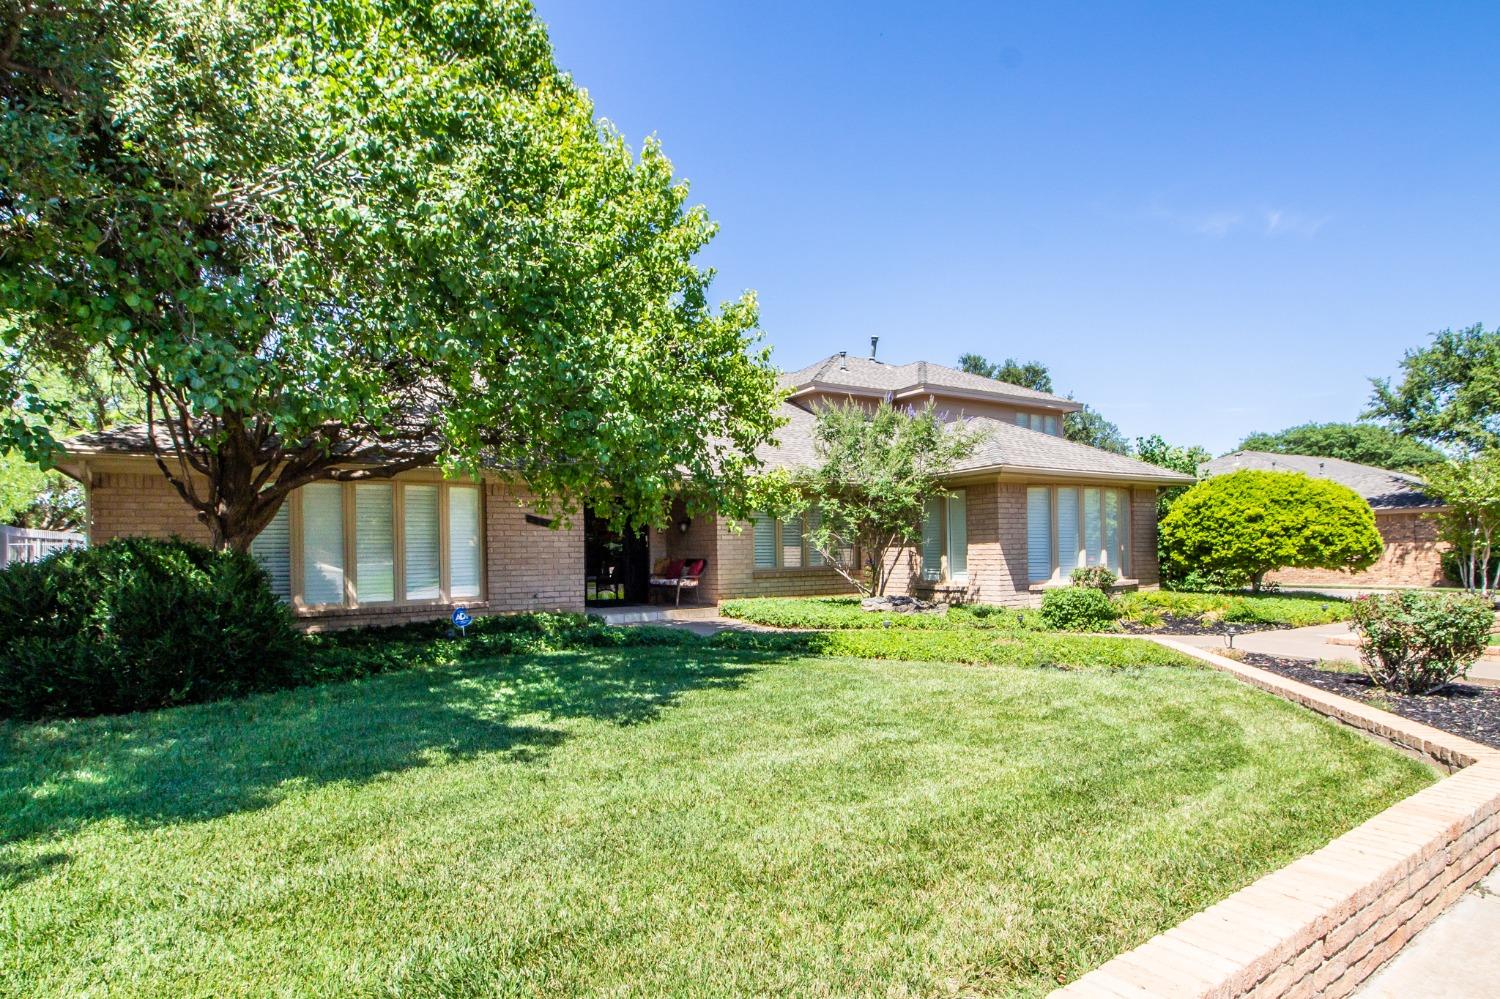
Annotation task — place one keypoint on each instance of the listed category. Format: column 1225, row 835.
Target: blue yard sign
column 461, row 619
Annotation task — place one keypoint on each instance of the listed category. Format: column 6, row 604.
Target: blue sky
column 1206, row 219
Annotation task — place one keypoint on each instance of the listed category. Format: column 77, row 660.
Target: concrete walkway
column 1454, row 958
column 1322, row 641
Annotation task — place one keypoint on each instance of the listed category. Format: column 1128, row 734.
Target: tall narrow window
column 423, row 542
column 791, row 543
column 815, row 558
column 1038, row 533
column 1067, row 531
column 1051, row 426
column 958, row 537
column 932, row 540
column 1091, row 527
column 272, row 548
column 463, row 542
column 1111, row 555
column 374, row 543
column 765, row 541
column 323, row 543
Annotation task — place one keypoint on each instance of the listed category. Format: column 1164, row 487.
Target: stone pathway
column 1454, row 958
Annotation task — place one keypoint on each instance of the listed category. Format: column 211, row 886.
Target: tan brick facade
column 1412, row 557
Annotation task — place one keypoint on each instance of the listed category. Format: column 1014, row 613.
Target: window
column 784, row 545
column 336, row 544
column 1068, row 526
column 945, row 539
column 1040, row 422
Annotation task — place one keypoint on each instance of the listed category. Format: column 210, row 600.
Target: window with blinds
column 813, row 520
column 932, row 540
column 791, row 543
column 272, row 548
column 1038, row 533
column 1089, row 527
column 323, row 544
column 765, row 541
column 463, row 542
column 423, row 542
column 374, row 543
column 958, row 537
column 1067, row 531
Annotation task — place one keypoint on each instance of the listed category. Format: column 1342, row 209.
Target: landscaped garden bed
column 689, row 821
column 1464, row 709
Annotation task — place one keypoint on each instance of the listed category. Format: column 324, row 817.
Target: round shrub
column 1078, row 608
column 1096, row 577
column 138, row 623
column 1415, row 642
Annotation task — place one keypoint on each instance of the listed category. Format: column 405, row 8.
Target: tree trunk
column 1255, row 581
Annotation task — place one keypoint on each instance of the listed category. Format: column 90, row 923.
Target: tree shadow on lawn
column 206, row 761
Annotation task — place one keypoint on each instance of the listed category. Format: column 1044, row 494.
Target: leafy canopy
column 309, row 231
column 1243, row 525
column 875, row 472
column 1449, row 392
column 1028, row 374
column 1364, row 443
column 1470, row 521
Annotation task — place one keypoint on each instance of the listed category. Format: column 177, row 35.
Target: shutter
column 1112, row 529
column 958, row 537
column 765, row 541
column 791, row 543
column 272, row 548
column 1092, row 540
column 1067, row 531
column 814, row 557
column 1038, row 533
column 323, row 543
column 420, row 526
column 374, row 543
column 463, row 541
column 932, row 539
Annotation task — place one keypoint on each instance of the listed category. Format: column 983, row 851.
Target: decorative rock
column 902, row 605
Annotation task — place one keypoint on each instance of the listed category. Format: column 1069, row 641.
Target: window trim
column 351, row 601
column 1125, row 526
column 807, row 549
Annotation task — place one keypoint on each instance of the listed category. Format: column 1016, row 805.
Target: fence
column 22, row 544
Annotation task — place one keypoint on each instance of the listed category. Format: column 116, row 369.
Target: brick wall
column 738, row 577
column 528, row 567
column 1412, row 557
column 1144, row 566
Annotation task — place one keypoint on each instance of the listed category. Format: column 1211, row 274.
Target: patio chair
column 678, row 575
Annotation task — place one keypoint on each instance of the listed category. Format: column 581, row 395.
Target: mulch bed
column 1460, row 708
column 1171, row 624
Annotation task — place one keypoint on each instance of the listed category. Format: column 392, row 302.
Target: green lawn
column 686, row 821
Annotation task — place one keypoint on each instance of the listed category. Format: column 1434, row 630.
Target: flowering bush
column 1094, row 577
column 1415, row 642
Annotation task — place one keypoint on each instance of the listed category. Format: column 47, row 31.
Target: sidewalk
column 1454, row 958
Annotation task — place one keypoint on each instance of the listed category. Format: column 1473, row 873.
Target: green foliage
column 977, row 647
column 1184, row 458
column 1087, row 426
column 1148, row 607
column 1097, row 577
column 30, row 497
column 841, row 613
column 1470, row 521
column 1078, row 608
column 136, row 624
column 1028, row 374
column 301, row 229
column 1449, row 392
column 1415, row 642
column 1245, row 524
column 1364, row 443
column 876, row 471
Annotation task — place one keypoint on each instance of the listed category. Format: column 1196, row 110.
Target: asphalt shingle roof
column 1382, row 488
column 839, row 371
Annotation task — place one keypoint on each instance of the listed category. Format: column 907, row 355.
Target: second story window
column 1044, row 423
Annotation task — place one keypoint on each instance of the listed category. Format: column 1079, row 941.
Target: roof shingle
column 1382, row 488
column 842, row 371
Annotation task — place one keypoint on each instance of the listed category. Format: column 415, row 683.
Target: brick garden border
column 1326, row 922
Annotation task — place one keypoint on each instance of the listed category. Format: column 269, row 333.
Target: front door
column 617, row 565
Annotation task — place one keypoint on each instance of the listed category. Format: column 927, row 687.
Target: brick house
column 1025, row 509
column 1413, row 553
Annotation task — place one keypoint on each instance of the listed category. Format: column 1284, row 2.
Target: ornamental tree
column 875, row 472
column 1243, row 525
column 314, row 236
column 1470, row 518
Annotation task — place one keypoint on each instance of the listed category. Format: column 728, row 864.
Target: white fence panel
column 22, row 544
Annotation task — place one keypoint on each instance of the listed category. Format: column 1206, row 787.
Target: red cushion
column 696, row 566
column 673, row 569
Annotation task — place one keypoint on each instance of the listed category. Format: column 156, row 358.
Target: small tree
column 1246, row 524
column 1470, row 521
column 876, row 471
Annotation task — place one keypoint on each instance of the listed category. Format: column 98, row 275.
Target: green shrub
column 1094, row 577
column 1078, row 608
column 1415, row 642
column 839, row 613
column 136, row 624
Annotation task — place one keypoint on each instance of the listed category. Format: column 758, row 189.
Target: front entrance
column 617, row 567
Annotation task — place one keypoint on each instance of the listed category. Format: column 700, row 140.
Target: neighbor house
column 1025, row 509
column 1413, row 553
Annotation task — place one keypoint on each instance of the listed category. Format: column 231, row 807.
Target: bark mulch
column 1171, row 624
column 1460, row 708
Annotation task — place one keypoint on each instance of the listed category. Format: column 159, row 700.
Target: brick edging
column 1326, row 922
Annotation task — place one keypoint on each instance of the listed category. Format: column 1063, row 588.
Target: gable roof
column 867, row 376
column 1382, row 488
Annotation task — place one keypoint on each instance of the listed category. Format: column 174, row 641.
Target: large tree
column 1027, row 374
column 1365, row 443
column 1448, row 393
column 1184, row 458
column 315, row 233
column 1241, row 526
